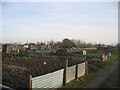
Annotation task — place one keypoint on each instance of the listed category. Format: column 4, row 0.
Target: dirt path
column 97, row 82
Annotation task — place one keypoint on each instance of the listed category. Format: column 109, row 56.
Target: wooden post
column 76, row 74
column 86, row 67
column 65, row 71
column 30, row 82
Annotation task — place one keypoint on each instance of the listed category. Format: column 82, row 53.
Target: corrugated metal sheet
column 81, row 69
column 3, row 87
column 51, row 80
column 70, row 73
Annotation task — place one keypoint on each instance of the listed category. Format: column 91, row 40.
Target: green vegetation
column 93, row 55
column 112, row 81
column 82, row 81
column 66, row 43
column 96, row 55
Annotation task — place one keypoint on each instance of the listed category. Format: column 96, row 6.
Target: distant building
column 26, row 46
column 84, row 52
column 8, row 48
column 32, row 46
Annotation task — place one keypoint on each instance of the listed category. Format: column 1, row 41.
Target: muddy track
column 97, row 82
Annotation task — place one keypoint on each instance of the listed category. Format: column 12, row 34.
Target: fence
column 71, row 72
column 81, row 69
column 51, row 80
column 56, row 79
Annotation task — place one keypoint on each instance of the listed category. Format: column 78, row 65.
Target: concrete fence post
column 86, row 67
column 76, row 74
column 30, row 82
column 65, row 72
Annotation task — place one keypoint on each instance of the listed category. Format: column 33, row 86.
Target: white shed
column 84, row 52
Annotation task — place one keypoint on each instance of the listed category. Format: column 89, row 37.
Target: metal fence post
column 30, row 82
column 65, row 71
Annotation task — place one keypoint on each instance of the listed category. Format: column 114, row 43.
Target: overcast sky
column 44, row 21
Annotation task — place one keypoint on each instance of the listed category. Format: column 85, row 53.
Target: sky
column 45, row 21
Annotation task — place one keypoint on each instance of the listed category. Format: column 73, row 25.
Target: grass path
column 98, row 82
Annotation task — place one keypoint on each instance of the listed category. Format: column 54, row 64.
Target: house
column 26, row 46
column 52, row 47
column 9, row 48
column 32, row 46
